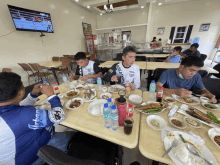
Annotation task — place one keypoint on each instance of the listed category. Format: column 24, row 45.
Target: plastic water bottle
column 110, row 103
column 66, row 82
column 99, row 83
column 152, row 90
column 106, row 114
column 114, row 118
column 45, row 82
column 56, row 88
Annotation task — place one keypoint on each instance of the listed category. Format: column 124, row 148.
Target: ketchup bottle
column 122, row 109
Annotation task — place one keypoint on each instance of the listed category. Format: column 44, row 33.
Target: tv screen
column 30, row 20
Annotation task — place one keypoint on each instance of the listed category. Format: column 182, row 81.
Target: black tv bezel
column 30, row 11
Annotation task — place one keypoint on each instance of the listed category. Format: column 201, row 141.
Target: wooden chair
column 92, row 57
column 63, row 59
column 66, row 56
column 65, row 66
column 6, row 70
column 55, row 58
column 39, row 71
column 29, row 71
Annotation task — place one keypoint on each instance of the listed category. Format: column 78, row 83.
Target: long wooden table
column 108, row 64
column 52, row 65
column 150, row 141
column 80, row 119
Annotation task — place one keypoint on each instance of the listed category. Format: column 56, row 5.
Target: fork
column 174, row 144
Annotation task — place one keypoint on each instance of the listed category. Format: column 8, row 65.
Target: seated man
column 179, row 81
column 175, row 56
column 25, row 128
column 126, row 69
column 192, row 51
column 89, row 70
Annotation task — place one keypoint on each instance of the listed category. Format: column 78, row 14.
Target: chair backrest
column 203, row 57
column 66, row 56
column 6, row 70
column 119, row 56
column 63, row 59
column 217, row 67
column 157, row 73
column 203, row 73
column 139, row 53
column 72, row 57
column 87, row 53
column 55, row 58
column 35, row 66
column 65, row 64
column 26, row 67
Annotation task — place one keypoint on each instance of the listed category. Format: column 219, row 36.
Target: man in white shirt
column 127, row 69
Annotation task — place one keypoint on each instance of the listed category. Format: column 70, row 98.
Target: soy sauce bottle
column 160, row 95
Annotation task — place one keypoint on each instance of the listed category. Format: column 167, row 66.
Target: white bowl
column 104, row 89
column 100, row 103
column 159, row 119
column 199, row 124
column 92, row 98
column 74, row 82
column 135, row 99
column 106, row 94
column 212, row 133
column 71, row 100
column 78, row 92
column 184, row 125
column 204, row 99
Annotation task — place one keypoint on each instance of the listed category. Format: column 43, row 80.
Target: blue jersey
column 25, row 128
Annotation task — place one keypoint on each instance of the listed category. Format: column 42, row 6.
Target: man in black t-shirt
column 192, row 51
column 89, row 70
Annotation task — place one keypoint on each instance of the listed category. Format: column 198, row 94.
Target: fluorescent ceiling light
column 76, row 0
column 88, row 7
column 142, row 7
column 159, row 3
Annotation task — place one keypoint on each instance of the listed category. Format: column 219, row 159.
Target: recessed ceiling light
column 76, row 0
column 160, row 4
column 88, row 7
column 100, row 13
column 142, row 7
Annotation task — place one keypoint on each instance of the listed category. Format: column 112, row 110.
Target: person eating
column 179, row 81
column 175, row 56
column 89, row 70
column 25, row 128
column 125, row 70
column 192, row 51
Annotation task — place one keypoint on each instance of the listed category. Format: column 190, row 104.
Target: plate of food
column 181, row 155
column 169, row 100
column 96, row 107
column 156, row 122
column 72, row 93
column 135, row 99
column 46, row 104
column 89, row 95
column 74, row 103
column 79, row 87
column 177, row 122
column 192, row 122
column 214, row 134
column 210, row 106
column 150, row 108
column 116, row 88
column 191, row 100
column 105, row 96
column 89, row 86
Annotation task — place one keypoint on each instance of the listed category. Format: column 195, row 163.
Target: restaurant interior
column 44, row 47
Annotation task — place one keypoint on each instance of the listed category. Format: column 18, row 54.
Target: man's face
column 82, row 62
column 188, row 72
column 129, row 59
column 177, row 52
column 192, row 49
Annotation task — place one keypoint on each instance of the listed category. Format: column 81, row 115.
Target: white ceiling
column 94, row 3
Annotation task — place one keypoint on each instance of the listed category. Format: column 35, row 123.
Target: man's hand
column 84, row 78
column 36, row 89
column 47, row 90
column 132, row 86
column 182, row 92
column 114, row 78
column 211, row 97
column 71, row 78
column 172, row 54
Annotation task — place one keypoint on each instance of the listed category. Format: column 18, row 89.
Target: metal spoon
column 174, row 144
column 195, row 152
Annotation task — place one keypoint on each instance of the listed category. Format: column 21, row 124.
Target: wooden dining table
column 150, row 140
column 108, row 64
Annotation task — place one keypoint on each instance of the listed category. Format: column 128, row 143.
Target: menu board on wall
column 87, row 28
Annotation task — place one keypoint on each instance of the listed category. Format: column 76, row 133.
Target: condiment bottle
column 130, row 110
column 122, row 108
column 127, row 88
column 160, row 95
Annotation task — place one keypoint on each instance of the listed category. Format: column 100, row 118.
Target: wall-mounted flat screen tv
column 30, row 20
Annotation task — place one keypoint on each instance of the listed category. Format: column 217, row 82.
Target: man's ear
column 123, row 58
column 181, row 67
column 21, row 92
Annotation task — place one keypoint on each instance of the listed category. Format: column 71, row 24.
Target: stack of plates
column 135, row 99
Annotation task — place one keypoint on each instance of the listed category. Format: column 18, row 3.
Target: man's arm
column 77, row 74
column 204, row 92
column 183, row 55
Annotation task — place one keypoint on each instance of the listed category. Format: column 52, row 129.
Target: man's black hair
column 178, row 48
column 80, row 56
column 128, row 49
column 195, row 45
column 10, row 84
column 192, row 61
column 159, row 39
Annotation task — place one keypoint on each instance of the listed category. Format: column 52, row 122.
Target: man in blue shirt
column 179, row 81
column 192, row 51
column 175, row 56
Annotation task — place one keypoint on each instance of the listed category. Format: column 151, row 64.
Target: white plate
column 48, row 106
column 192, row 97
column 78, row 92
column 159, row 119
column 151, row 113
column 100, row 103
column 135, row 99
column 89, row 86
column 118, row 87
column 184, row 125
column 169, row 102
column 199, row 124
column 71, row 100
column 205, row 152
column 204, row 99
column 212, row 133
column 93, row 97
column 78, row 86
column 106, row 94
column 214, row 105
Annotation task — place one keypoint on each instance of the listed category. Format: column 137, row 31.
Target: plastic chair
column 203, row 73
column 203, row 57
column 6, row 70
column 65, row 66
column 55, row 58
column 29, row 71
column 63, row 59
column 217, row 67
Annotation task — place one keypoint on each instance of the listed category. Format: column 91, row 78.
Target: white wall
column 194, row 12
column 26, row 47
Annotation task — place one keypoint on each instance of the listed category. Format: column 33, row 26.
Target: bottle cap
column 113, row 107
column 109, row 100
column 98, row 76
column 63, row 73
column 153, row 81
column 121, row 99
column 44, row 80
column 54, row 82
column 130, row 106
column 105, row 105
column 161, row 88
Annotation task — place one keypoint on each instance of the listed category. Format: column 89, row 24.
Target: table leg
column 54, row 74
column 120, row 153
column 149, row 78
